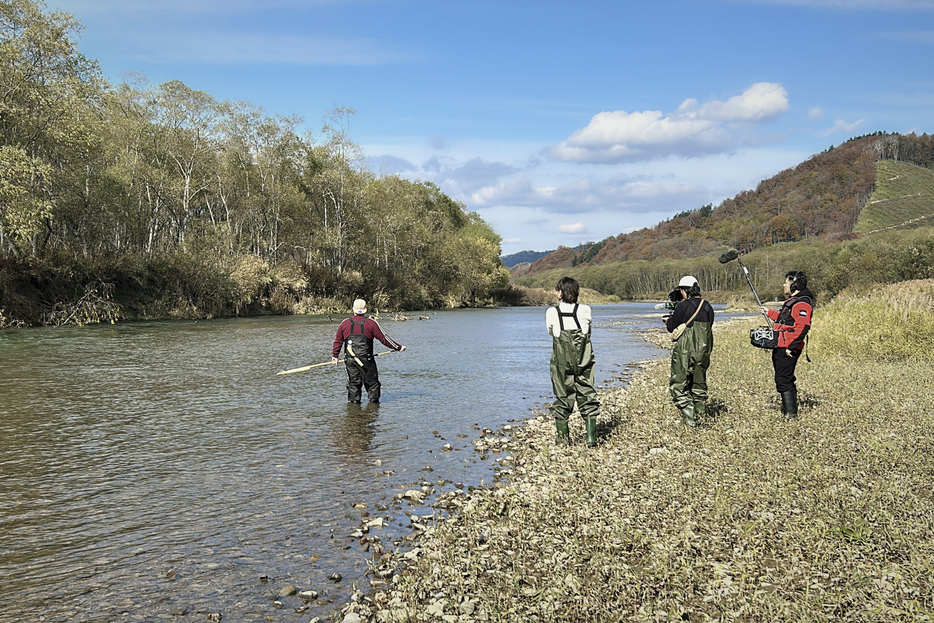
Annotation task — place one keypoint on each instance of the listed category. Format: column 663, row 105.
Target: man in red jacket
column 355, row 335
column 792, row 323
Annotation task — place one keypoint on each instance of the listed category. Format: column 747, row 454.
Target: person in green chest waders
column 572, row 362
column 691, row 326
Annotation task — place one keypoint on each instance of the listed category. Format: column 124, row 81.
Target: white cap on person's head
column 687, row 282
column 359, row 306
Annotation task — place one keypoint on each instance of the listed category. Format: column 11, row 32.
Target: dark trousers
column 785, row 369
column 362, row 376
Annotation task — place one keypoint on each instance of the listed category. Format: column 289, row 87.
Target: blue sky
column 558, row 122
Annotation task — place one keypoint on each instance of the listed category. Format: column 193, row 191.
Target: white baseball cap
column 687, row 281
column 359, row 306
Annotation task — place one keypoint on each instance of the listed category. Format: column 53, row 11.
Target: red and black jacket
column 793, row 320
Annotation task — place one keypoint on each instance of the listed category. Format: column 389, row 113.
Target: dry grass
column 829, row 517
column 890, row 322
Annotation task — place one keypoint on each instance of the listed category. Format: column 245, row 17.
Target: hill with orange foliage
column 822, row 197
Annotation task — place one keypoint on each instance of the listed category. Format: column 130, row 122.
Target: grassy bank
column 749, row 518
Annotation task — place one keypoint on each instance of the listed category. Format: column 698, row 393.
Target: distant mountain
column 834, row 195
column 522, row 256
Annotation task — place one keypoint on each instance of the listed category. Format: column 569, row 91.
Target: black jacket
column 685, row 309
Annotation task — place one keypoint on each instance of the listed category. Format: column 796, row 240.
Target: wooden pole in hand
column 326, row 363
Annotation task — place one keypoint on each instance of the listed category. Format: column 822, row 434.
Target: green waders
column 690, row 358
column 572, row 374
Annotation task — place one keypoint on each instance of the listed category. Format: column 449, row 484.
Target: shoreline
column 825, row 517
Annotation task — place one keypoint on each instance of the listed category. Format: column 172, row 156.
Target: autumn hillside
column 902, row 197
column 865, row 184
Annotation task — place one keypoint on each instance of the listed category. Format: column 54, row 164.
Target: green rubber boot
column 687, row 416
column 563, row 437
column 700, row 410
column 591, row 423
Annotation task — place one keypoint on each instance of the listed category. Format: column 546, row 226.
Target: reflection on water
column 158, row 468
column 355, row 432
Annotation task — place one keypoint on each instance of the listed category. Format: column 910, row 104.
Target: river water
column 163, row 471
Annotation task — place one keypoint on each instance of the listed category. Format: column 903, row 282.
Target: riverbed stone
column 413, row 495
column 288, row 589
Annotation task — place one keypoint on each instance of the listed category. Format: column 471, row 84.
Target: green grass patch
column 903, row 196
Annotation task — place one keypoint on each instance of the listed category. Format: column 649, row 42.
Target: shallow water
column 158, row 470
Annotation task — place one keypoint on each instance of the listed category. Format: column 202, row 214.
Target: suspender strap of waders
column 353, row 331
column 570, row 314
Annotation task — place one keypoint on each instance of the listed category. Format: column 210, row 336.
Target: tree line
column 129, row 178
column 853, row 265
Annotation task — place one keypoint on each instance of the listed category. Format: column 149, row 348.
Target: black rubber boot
column 790, row 403
column 591, row 423
column 687, row 416
column 563, row 437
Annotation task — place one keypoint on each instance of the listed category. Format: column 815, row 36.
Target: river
column 162, row 470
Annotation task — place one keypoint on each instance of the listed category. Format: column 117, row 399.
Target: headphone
column 794, row 280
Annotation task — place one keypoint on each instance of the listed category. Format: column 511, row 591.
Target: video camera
column 674, row 297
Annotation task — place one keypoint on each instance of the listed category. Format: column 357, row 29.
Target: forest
column 152, row 201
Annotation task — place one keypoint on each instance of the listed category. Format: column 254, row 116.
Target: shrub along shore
column 750, row 517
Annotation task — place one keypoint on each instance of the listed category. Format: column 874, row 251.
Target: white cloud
column 762, row 101
column 715, row 127
column 816, row 113
column 616, row 195
column 466, row 177
column 842, row 127
column 574, row 228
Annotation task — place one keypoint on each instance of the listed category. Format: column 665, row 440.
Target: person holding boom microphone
column 792, row 323
column 691, row 325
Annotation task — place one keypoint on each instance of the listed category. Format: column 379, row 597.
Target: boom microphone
column 733, row 254
column 729, row 256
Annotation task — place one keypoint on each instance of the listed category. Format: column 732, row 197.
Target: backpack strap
column 696, row 311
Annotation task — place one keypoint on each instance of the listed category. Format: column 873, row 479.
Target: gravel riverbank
column 750, row 517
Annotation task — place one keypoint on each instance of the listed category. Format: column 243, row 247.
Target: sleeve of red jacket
column 340, row 337
column 377, row 332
